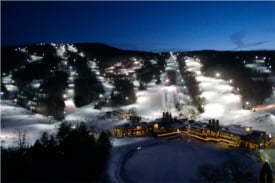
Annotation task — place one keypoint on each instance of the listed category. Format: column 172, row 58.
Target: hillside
column 43, row 77
column 47, row 78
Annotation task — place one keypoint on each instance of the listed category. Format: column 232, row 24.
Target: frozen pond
column 179, row 161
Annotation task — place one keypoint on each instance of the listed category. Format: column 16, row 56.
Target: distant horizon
column 125, row 49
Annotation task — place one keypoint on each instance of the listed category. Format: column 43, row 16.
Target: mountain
column 45, row 77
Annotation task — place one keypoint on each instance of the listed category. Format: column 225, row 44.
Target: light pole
column 126, row 98
column 100, row 96
column 111, row 102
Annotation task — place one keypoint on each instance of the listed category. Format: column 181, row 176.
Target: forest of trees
column 151, row 71
column 73, row 154
column 87, row 86
column 192, row 84
column 123, row 92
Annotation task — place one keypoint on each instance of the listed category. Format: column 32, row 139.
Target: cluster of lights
column 22, row 50
column 71, row 48
column 81, row 54
column 34, row 58
column 65, row 96
column 125, row 68
column 60, row 50
column 259, row 65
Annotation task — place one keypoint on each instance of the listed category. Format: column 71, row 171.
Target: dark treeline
column 72, row 155
column 150, row 71
column 123, row 93
column 191, row 84
column 87, row 86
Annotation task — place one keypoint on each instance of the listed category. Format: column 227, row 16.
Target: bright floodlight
column 230, row 81
column 247, row 103
column 100, row 95
column 248, row 129
column 167, row 80
column 64, row 95
column 218, row 74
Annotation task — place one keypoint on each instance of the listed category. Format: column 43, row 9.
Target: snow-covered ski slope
column 162, row 98
column 222, row 104
column 14, row 118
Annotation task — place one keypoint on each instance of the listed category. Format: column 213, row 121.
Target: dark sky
column 152, row 26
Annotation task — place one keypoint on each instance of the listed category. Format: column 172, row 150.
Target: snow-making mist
column 164, row 97
column 170, row 97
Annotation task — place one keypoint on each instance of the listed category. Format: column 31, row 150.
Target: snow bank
column 17, row 118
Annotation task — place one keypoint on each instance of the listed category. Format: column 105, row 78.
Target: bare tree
column 20, row 139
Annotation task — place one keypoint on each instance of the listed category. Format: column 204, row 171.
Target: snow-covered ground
column 271, row 99
column 117, row 159
column 222, row 104
column 259, row 66
column 9, row 83
column 179, row 161
column 15, row 118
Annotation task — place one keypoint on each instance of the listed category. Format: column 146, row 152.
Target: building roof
column 237, row 129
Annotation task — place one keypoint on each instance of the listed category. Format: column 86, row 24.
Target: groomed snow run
column 222, row 104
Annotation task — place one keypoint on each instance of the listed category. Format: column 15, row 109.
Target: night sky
column 149, row 26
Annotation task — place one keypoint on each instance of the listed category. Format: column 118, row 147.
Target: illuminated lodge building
column 132, row 129
column 233, row 135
